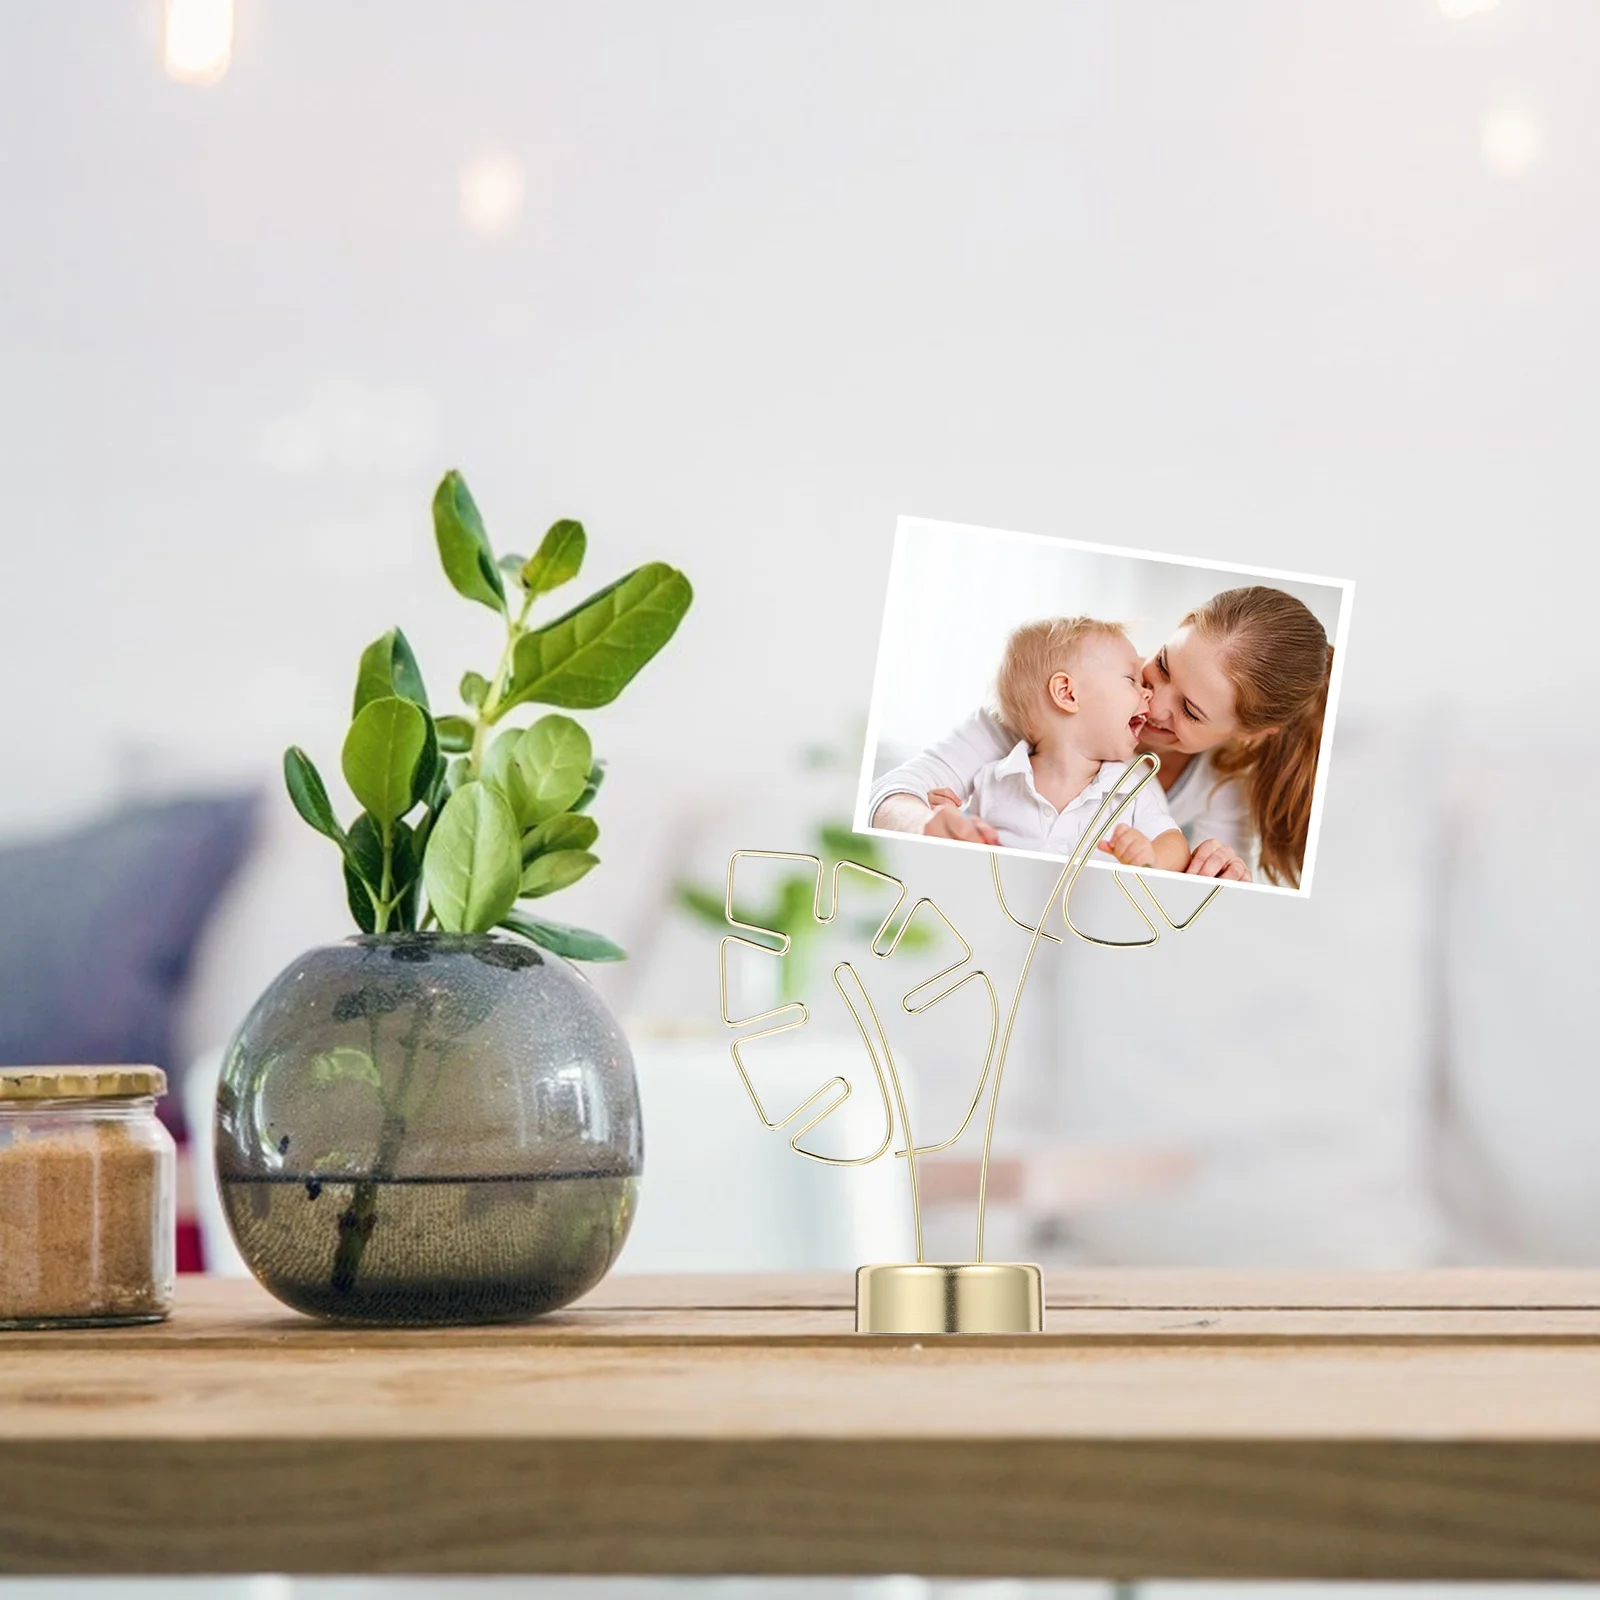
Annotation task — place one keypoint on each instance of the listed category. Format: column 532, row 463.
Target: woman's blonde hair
column 1035, row 652
column 1278, row 658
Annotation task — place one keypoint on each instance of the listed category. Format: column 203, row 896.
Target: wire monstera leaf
column 827, row 1099
column 824, row 1101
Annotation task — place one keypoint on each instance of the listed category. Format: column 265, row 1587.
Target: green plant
column 789, row 908
column 458, row 828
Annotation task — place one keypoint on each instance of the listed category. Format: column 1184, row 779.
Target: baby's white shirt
column 1003, row 794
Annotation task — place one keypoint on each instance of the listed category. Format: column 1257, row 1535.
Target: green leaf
column 540, row 770
column 427, row 769
column 345, row 1064
column 474, row 688
column 576, row 944
column 709, row 907
column 363, row 874
column 464, row 546
column 796, row 913
column 597, row 776
column 843, row 845
column 564, row 831
column 496, row 769
column 309, row 794
column 919, row 936
column 361, row 899
column 386, row 742
column 557, row 560
column 558, row 870
column 705, row 905
column 549, row 769
column 590, row 655
column 389, row 668
column 460, row 772
column 511, row 566
column 455, row 734
column 473, row 861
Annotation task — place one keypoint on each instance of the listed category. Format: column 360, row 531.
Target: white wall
column 1226, row 280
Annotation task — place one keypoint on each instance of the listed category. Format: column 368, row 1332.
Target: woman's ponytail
column 1280, row 662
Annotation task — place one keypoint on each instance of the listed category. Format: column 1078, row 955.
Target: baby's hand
column 949, row 821
column 1129, row 846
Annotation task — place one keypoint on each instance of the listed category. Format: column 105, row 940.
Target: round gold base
column 950, row 1297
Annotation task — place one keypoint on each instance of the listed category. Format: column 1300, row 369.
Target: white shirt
column 1004, row 795
column 1208, row 807
column 1201, row 806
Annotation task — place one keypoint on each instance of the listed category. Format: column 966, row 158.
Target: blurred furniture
column 1417, row 1425
column 1393, row 1072
column 720, row 1193
column 218, row 1251
column 101, row 925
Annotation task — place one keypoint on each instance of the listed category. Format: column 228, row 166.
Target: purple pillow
column 98, row 929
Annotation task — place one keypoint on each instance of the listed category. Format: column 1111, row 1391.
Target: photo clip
column 921, row 1296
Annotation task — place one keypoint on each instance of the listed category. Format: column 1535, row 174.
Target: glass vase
column 429, row 1128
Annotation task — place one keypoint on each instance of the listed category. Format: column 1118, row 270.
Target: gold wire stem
column 1000, row 1063
column 1118, row 801
column 1000, row 895
column 915, row 1001
column 1111, row 807
column 1117, row 877
column 1177, row 927
column 882, row 1039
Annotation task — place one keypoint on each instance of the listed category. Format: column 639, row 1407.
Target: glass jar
column 87, row 1179
column 429, row 1128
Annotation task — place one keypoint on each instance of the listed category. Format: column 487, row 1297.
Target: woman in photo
column 1238, row 696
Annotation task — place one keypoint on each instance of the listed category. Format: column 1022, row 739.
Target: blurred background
column 1309, row 287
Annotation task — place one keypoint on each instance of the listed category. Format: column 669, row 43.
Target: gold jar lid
column 80, row 1083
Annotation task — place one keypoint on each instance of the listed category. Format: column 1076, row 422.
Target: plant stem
column 490, row 709
column 385, row 901
column 358, row 1219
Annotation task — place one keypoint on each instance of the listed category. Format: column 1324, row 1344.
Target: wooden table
column 1424, row 1425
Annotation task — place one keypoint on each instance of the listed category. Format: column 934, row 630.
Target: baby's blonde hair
column 1035, row 652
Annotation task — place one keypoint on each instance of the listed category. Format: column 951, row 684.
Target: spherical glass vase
column 429, row 1128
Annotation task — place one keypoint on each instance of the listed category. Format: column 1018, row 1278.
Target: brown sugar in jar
column 87, row 1177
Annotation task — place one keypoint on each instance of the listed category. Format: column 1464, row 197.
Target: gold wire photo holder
column 924, row 1297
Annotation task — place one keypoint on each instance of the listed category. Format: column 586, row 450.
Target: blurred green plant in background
column 790, row 907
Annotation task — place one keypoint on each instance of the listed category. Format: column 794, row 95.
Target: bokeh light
column 197, row 40
column 1512, row 142
column 492, row 193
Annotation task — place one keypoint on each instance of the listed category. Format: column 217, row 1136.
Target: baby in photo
column 1072, row 690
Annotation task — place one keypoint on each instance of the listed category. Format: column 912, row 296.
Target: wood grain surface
column 1168, row 1424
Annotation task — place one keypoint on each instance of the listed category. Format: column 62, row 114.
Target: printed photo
column 1022, row 681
